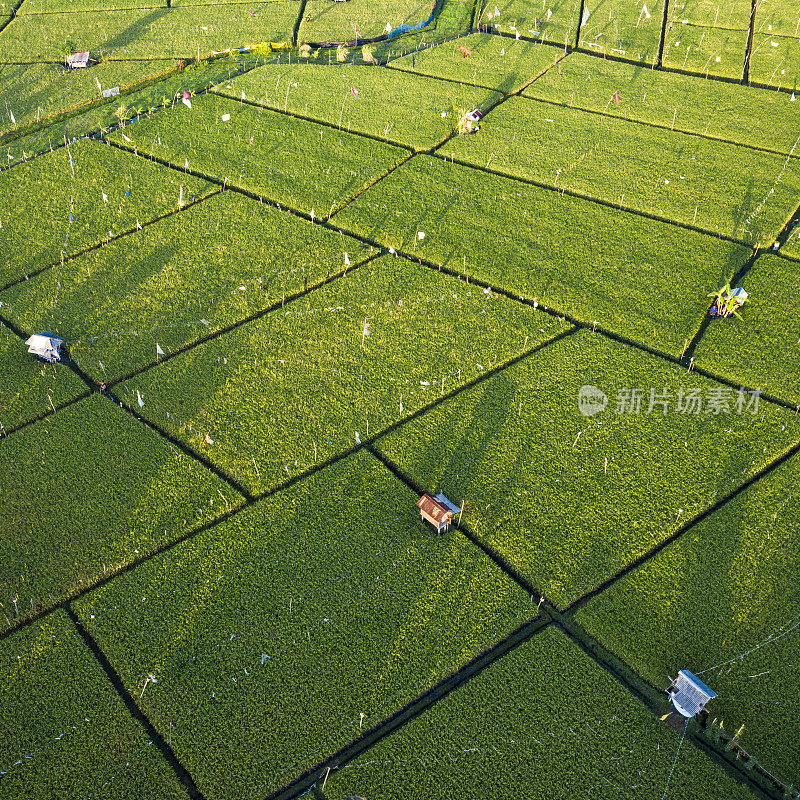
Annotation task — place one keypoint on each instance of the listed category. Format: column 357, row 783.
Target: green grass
column 291, row 6
column 35, row 205
column 775, row 61
column 696, row 49
column 412, row 110
column 519, row 17
column 762, row 349
column 154, row 33
column 544, row 721
column 319, row 390
column 29, row 386
column 183, row 279
column 58, row 6
column 777, row 18
column 791, row 246
column 570, row 500
column 730, row 14
column 33, row 92
column 272, row 651
column 681, row 102
column 295, row 163
column 714, row 186
column 88, row 490
column 66, row 724
column 645, row 279
column 492, row 61
column 622, row 28
column 725, row 593
column 325, row 21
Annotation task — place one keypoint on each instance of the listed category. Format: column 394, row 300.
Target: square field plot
column 191, row 275
column 622, row 28
column 555, row 21
column 718, row 187
column 775, row 61
column 728, row 14
column 723, row 602
column 411, row 110
column 30, row 93
column 543, row 721
column 147, row 33
column 283, row 633
column 761, row 350
column 642, row 278
column 28, row 386
column 325, row 21
column 713, row 51
column 308, row 382
column 73, row 198
column 718, row 110
column 778, row 18
column 569, row 499
column 295, row 163
column 64, row 730
column 89, row 490
column 492, row 61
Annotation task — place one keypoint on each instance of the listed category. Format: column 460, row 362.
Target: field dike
column 760, row 782
column 155, row 737
column 653, row 698
column 104, row 242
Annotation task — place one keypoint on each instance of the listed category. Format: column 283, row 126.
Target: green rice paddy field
column 297, row 288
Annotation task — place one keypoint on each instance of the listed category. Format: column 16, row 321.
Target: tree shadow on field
column 739, row 214
column 138, row 30
column 90, row 307
column 486, row 423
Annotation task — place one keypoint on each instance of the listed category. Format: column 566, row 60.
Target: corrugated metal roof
column 433, row 508
column 689, row 694
column 710, row 693
column 78, row 59
column 445, row 502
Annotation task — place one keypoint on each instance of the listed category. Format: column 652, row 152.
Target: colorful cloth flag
column 354, row 92
column 617, row 97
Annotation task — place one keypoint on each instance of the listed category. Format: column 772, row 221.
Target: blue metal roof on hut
column 444, row 501
column 689, row 694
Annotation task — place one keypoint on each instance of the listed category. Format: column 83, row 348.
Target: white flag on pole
column 139, row 399
column 346, row 260
column 646, row 12
column 105, row 199
column 585, row 16
column 159, row 351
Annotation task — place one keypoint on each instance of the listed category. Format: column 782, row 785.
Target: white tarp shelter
column 45, row 346
column 78, row 60
column 739, row 294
